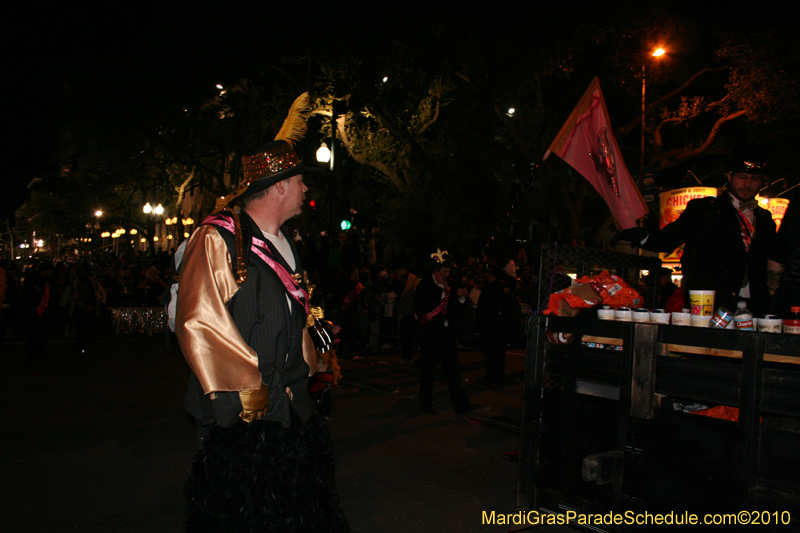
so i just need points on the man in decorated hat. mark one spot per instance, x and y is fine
(265, 459)
(434, 304)
(727, 240)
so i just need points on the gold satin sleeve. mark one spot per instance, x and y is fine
(207, 334)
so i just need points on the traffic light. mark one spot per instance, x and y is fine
(313, 205)
(345, 225)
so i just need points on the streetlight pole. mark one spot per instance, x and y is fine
(155, 212)
(656, 53)
(328, 155)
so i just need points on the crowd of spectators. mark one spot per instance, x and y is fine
(67, 297)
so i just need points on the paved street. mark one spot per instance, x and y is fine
(101, 442)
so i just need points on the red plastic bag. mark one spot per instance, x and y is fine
(723, 412)
(615, 291)
(569, 307)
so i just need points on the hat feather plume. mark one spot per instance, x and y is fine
(294, 126)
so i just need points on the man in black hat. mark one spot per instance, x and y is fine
(727, 240)
(265, 459)
(434, 303)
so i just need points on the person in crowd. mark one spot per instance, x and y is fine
(39, 306)
(727, 241)
(408, 325)
(784, 263)
(434, 303)
(494, 314)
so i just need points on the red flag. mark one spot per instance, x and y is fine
(587, 143)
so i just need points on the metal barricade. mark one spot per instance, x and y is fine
(561, 263)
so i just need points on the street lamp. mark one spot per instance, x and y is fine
(323, 153)
(155, 212)
(149, 209)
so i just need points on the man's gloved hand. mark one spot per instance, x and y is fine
(255, 403)
(631, 235)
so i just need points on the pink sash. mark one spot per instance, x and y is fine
(261, 249)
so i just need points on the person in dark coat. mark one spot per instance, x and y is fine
(39, 306)
(494, 314)
(727, 241)
(266, 459)
(784, 264)
(434, 301)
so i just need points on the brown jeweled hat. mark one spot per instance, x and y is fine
(270, 164)
(277, 160)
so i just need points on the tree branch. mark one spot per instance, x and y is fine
(637, 120)
(676, 156)
(182, 191)
(386, 171)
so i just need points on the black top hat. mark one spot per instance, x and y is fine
(747, 159)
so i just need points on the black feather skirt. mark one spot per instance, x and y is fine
(265, 477)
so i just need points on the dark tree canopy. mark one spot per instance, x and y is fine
(426, 146)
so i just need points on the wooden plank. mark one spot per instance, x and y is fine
(601, 340)
(734, 354)
(643, 378)
(703, 350)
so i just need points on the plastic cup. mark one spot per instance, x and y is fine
(606, 314)
(702, 302)
(700, 321)
(682, 318)
(624, 314)
(641, 315)
(659, 316)
(770, 324)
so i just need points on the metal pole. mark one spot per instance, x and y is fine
(641, 162)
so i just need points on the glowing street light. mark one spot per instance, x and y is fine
(323, 153)
(154, 212)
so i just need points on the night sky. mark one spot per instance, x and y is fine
(118, 59)
(111, 60)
